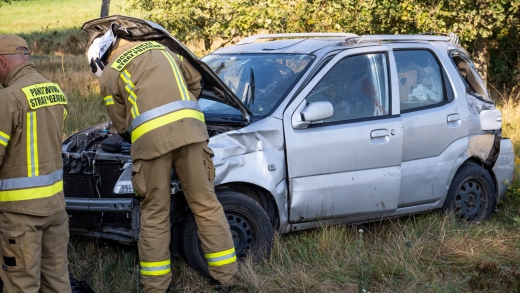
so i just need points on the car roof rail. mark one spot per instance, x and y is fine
(252, 39)
(451, 37)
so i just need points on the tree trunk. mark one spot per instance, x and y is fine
(481, 55)
(207, 44)
(104, 7)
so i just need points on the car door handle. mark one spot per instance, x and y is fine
(454, 120)
(379, 133)
(380, 136)
(453, 117)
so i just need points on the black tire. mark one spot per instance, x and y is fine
(250, 227)
(471, 196)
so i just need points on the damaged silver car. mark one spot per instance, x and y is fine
(308, 130)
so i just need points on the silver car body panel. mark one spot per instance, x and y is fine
(504, 167)
(364, 218)
(455, 155)
(254, 38)
(297, 46)
(419, 187)
(255, 155)
(340, 170)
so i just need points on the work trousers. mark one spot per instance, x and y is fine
(34, 253)
(151, 180)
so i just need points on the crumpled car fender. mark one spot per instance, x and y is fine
(488, 148)
(254, 154)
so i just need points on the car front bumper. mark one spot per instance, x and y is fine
(504, 167)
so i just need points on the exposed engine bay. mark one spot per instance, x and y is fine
(97, 184)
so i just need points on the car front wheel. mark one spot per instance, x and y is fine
(251, 231)
(471, 196)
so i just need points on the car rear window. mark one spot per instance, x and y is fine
(420, 79)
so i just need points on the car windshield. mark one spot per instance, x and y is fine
(260, 81)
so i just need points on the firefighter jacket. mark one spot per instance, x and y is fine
(151, 93)
(32, 113)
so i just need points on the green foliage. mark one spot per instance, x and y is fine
(467, 18)
(505, 55)
(491, 22)
(5, 1)
(201, 19)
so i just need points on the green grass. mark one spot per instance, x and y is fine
(423, 253)
(53, 26)
(26, 16)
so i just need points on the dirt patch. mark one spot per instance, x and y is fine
(489, 276)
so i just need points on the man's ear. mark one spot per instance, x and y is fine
(3, 69)
(3, 61)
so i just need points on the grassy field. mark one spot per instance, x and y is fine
(424, 253)
(28, 16)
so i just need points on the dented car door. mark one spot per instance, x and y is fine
(346, 165)
(429, 108)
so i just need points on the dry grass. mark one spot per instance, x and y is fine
(73, 75)
(426, 253)
(510, 107)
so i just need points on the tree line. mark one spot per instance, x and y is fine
(488, 28)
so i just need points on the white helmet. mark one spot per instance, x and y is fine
(97, 52)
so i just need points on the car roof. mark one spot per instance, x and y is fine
(303, 46)
(308, 45)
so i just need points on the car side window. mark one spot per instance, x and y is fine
(357, 87)
(469, 75)
(420, 79)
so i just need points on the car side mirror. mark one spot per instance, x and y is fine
(490, 119)
(315, 111)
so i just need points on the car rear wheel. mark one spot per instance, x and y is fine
(251, 230)
(471, 196)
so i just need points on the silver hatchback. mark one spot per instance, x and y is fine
(349, 129)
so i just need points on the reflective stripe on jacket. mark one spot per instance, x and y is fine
(32, 114)
(152, 94)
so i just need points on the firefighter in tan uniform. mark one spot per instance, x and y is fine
(151, 97)
(33, 223)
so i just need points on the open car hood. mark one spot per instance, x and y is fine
(143, 30)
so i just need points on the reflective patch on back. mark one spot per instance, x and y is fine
(4, 138)
(129, 55)
(44, 95)
(32, 145)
